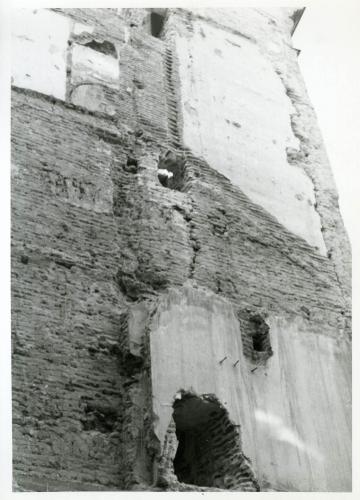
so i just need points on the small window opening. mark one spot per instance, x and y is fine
(157, 24)
(260, 335)
(209, 451)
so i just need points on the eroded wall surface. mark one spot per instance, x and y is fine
(98, 241)
(236, 115)
(293, 412)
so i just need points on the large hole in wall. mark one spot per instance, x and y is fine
(171, 170)
(209, 452)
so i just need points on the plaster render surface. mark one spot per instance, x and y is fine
(186, 346)
(236, 115)
(91, 66)
(39, 43)
(287, 409)
(302, 409)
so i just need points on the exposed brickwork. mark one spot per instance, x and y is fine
(209, 454)
(95, 234)
(204, 456)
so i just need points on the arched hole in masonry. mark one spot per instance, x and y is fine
(171, 170)
(209, 449)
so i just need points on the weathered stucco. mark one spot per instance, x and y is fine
(38, 54)
(282, 407)
(175, 227)
(236, 115)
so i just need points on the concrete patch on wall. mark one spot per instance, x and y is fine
(39, 44)
(191, 333)
(250, 121)
(293, 411)
(302, 410)
(94, 97)
(92, 66)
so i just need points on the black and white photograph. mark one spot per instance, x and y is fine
(182, 229)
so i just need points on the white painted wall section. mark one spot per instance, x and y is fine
(236, 115)
(39, 45)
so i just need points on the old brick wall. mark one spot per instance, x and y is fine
(95, 235)
(73, 206)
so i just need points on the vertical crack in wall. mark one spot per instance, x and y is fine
(172, 89)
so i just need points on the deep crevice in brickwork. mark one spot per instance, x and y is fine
(209, 449)
(171, 85)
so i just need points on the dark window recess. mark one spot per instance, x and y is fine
(209, 451)
(255, 335)
(157, 24)
(104, 47)
(258, 343)
(131, 165)
(171, 170)
(260, 334)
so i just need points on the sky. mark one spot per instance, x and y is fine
(329, 39)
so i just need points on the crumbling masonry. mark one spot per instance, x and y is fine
(180, 270)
